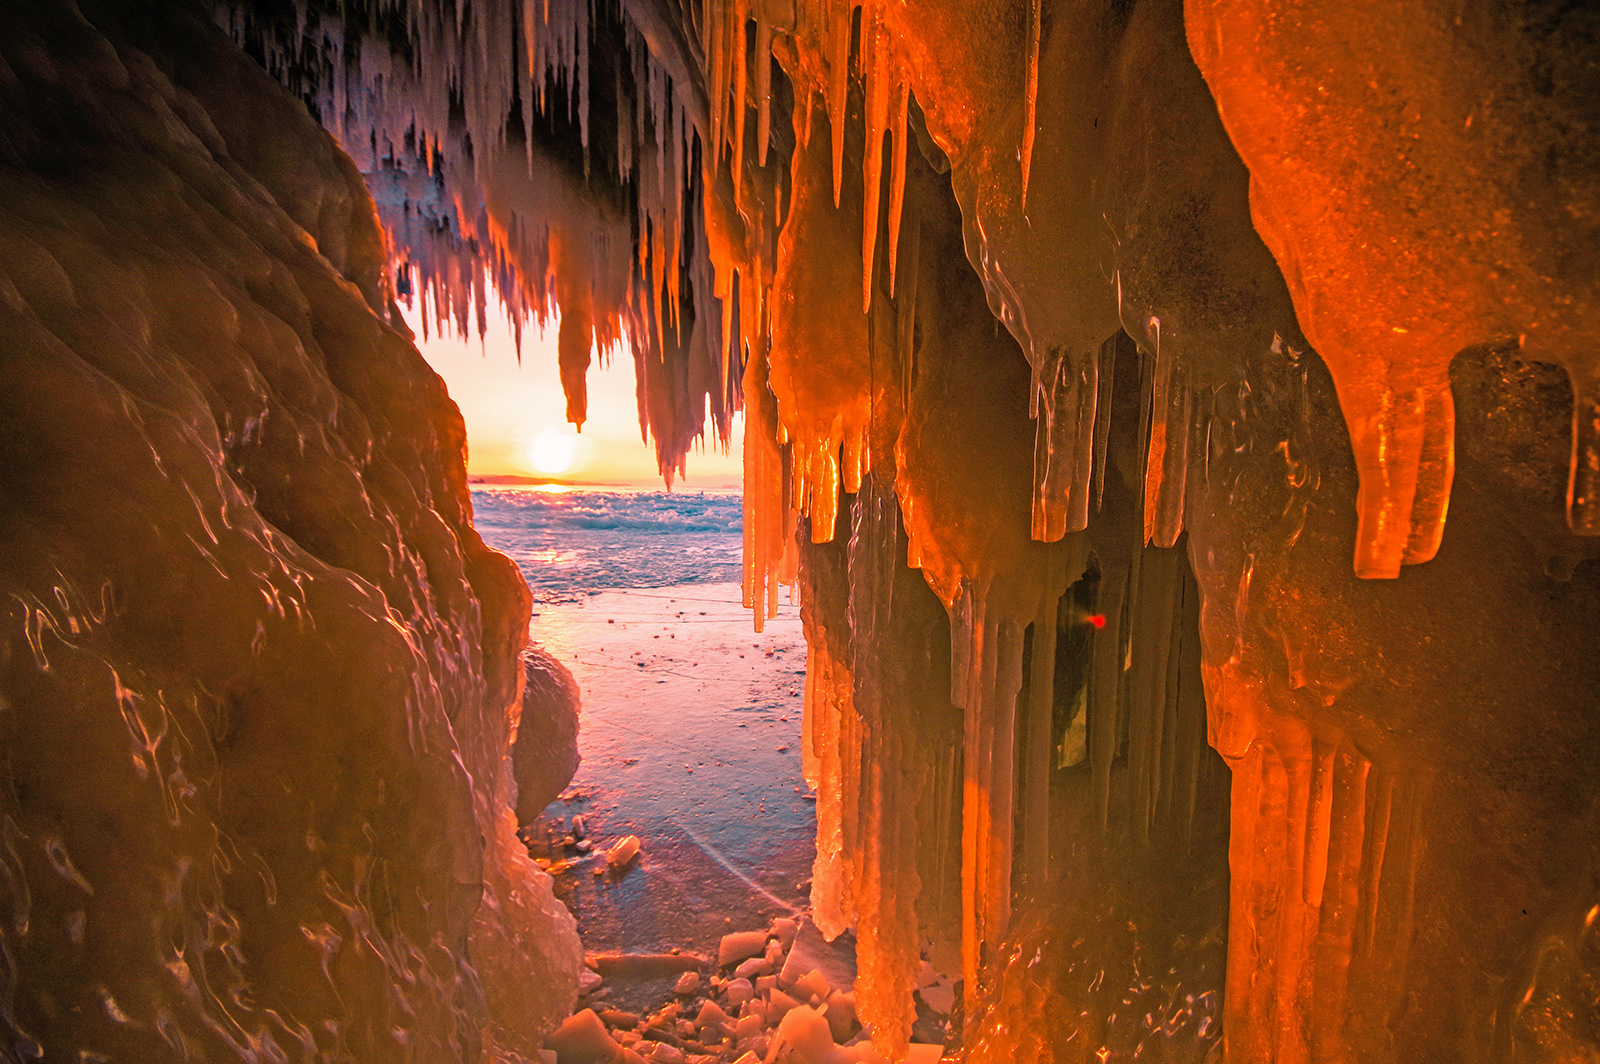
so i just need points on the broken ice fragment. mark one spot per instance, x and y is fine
(739, 991)
(807, 1033)
(779, 1006)
(623, 853)
(583, 1039)
(783, 929)
(812, 985)
(739, 945)
(757, 966)
(712, 1021)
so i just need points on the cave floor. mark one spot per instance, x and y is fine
(690, 738)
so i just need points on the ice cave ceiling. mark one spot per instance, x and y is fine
(1180, 420)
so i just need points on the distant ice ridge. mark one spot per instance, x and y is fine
(577, 540)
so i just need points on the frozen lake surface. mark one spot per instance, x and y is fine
(575, 541)
(690, 731)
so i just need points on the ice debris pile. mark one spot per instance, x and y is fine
(777, 995)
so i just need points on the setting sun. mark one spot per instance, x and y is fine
(553, 451)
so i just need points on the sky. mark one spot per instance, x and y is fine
(516, 414)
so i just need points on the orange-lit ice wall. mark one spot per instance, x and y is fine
(1426, 178)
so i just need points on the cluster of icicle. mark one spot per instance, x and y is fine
(696, 164)
(621, 249)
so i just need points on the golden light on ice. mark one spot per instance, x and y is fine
(553, 450)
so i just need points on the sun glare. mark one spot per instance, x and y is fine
(553, 451)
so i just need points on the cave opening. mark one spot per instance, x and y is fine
(1173, 422)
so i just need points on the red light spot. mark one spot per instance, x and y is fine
(1097, 619)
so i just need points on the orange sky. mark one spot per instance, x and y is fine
(516, 414)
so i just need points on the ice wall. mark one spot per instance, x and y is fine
(259, 674)
(1081, 347)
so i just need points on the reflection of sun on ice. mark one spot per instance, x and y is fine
(553, 450)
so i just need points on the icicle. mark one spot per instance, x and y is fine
(581, 60)
(1320, 822)
(1404, 446)
(530, 38)
(1340, 905)
(717, 58)
(763, 61)
(680, 174)
(659, 116)
(1167, 455)
(1037, 746)
(1001, 791)
(1107, 356)
(874, 68)
(840, 17)
(1167, 762)
(906, 309)
(972, 634)
(1191, 717)
(1030, 115)
(854, 462)
(1583, 479)
(1151, 646)
(1377, 837)
(1068, 394)
(901, 133)
(741, 15)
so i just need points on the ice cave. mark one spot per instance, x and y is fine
(1178, 420)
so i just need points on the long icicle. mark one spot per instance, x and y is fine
(717, 58)
(874, 70)
(839, 86)
(763, 62)
(741, 15)
(901, 134)
(1007, 681)
(1041, 703)
(1030, 118)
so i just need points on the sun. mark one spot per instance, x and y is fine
(553, 451)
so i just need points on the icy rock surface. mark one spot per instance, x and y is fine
(259, 674)
(544, 756)
(1081, 346)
